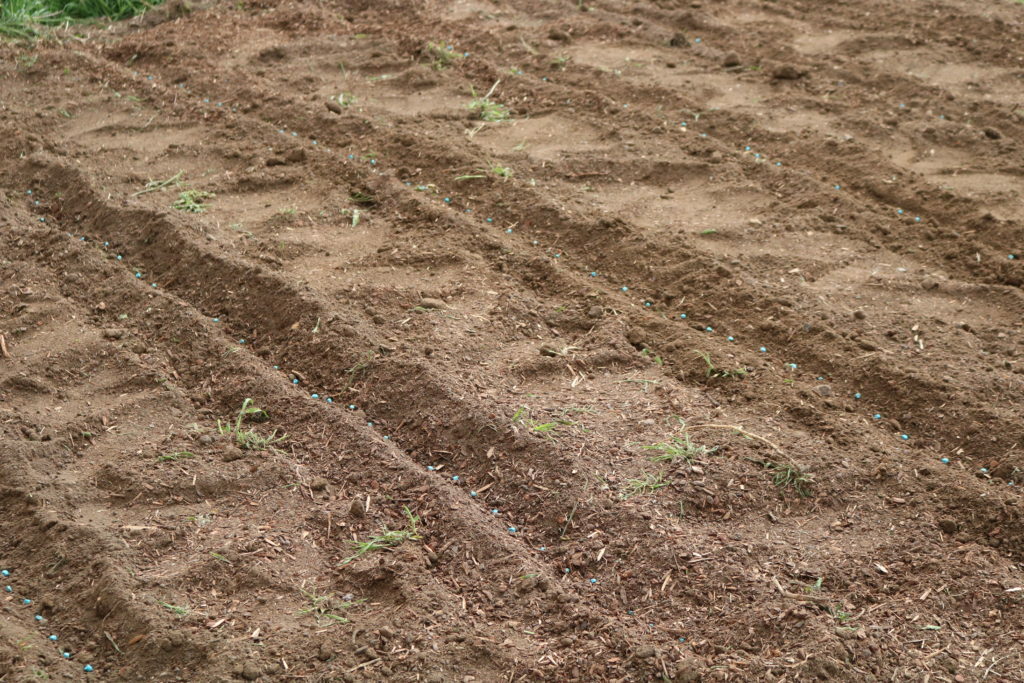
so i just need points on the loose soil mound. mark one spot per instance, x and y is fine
(690, 352)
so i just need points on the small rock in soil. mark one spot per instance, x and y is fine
(859, 315)
(731, 59)
(595, 312)
(427, 302)
(993, 133)
(114, 333)
(646, 651)
(357, 509)
(786, 72)
(295, 156)
(250, 671)
(325, 652)
(333, 106)
(318, 484)
(206, 439)
(823, 390)
(275, 161)
(679, 40)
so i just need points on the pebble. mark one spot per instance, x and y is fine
(595, 312)
(731, 59)
(429, 303)
(823, 390)
(786, 72)
(646, 652)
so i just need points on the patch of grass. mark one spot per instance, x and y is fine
(486, 108)
(549, 430)
(191, 201)
(388, 538)
(441, 55)
(180, 611)
(711, 371)
(345, 99)
(790, 477)
(679, 447)
(155, 185)
(176, 456)
(648, 483)
(250, 439)
(323, 607)
(362, 198)
(27, 18)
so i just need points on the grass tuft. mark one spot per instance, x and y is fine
(648, 483)
(191, 201)
(679, 447)
(790, 477)
(388, 538)
(27, 18)
(250, 439)
(486, 108)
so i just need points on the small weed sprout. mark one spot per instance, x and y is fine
(548, 430)
(441, 55)
(191, 201)
(559, 63)
(250, 439)
(180, 611)
(388, 538)
(160, 185)
(323, 607)
(170, 457)
(711, 371)
(679, 447)
(790, 476)
(487, 109)
(648, 483)
(345, 99)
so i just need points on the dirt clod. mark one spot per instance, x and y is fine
(432, 304)
(786, 72)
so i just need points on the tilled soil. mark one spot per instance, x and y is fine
(702, 365)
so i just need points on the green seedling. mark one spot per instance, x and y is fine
(441, 55)
(345, 99)
(559, 63)
(679, 447)
(711, 371)
(388, 538)
(160, 185)
(790, 476)
(191, 201)
(359, 368)
(170, 457)
(323, 607)
(362, 198)
(250, 439)
(648, 483)
(487, 109)
(839, 615)
(180, 611)
(548, 430)
(503, 172)
(658, 360)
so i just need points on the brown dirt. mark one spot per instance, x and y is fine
(846, 194)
